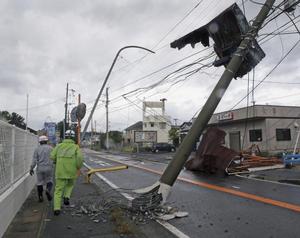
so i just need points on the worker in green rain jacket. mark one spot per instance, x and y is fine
(68, 159)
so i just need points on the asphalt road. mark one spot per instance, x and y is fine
(217, 207)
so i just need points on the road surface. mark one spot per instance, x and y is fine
(218, 207)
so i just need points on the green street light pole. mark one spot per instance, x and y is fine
(104, 83)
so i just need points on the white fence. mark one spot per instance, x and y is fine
(16, 151)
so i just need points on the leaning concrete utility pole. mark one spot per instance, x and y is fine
(171, 173)
(174, 167)
(104, 83)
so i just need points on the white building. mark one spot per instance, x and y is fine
(155, 120)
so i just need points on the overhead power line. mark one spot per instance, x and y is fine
(271, 71)
(39, 106)
(174, 27)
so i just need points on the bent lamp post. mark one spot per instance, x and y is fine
(104, 83)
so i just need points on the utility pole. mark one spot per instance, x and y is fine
(106, 105)
(174, 167)
(168, 178)
(92, 133)
(253, 99)
(78, 123)
(163, 105)
(66, 111)
(27, 97)
(175, 121)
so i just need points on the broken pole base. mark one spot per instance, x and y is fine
(151, 197)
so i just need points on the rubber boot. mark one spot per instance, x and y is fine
(56, 212)
(40, 193)
(66, 201)
(48, 191)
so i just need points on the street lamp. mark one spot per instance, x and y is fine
(105, 80)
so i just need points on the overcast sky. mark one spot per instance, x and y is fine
(46, 44)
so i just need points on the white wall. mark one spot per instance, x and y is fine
(16, 151)
(12, 200)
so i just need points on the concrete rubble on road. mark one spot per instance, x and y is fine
(101, 210)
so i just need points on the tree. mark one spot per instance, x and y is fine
(14, 119)
(174, 135)
(17, 120)
(116, 136)
(5, 115)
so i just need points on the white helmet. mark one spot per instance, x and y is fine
(70, 133)
(43, 138)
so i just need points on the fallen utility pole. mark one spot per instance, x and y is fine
(174, 167)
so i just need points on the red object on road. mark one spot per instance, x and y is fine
(211, 156)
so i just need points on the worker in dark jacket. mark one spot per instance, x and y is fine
(68, 159)
(44, 170)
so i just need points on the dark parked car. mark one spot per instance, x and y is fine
(163, 147)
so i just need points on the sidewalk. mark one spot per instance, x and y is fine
(91, 214)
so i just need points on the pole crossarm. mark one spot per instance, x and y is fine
(105, 81)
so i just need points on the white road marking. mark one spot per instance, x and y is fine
(267, 181)
(165, 224)
(102, 163)
(172, 229)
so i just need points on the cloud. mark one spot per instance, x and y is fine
(47, 44)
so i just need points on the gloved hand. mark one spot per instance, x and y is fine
(31, 172)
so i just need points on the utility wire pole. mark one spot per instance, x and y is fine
(174, 167)
(106, 106)
(78, 123)
(27, 98)
(66, 111)
(175, 121)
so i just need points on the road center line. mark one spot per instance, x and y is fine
(257, 198)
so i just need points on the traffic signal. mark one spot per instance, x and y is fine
(227, 31)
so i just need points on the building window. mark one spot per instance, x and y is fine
(255, 135)
(162, 125)
(152, 124)
(283, 134)
(145, 125)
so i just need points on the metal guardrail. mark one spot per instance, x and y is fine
(16, 151)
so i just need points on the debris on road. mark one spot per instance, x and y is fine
(247, 163)
(213, 157)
